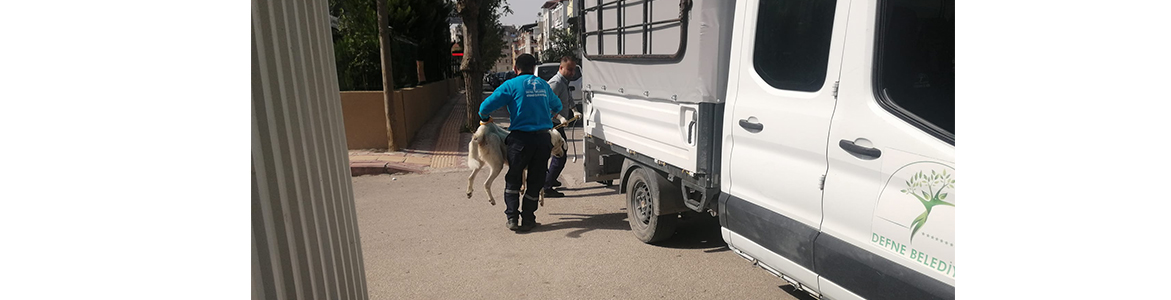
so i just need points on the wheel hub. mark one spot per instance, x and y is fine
(643, 202)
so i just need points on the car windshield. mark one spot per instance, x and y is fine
(546, 73)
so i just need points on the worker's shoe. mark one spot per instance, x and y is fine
(512, 224)
(528, 225)
(556, 183)
(550, 193)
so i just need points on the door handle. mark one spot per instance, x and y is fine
(864, 152)
(751, 125)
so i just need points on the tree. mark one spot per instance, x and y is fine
(482, 30)
(492, 32)
(356, 45)
(387, 70)
(356, 42)
(929, 190)
(564, 44)
(425, 22)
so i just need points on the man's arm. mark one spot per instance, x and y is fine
(498, 98)
(554, 102)
(561, 88)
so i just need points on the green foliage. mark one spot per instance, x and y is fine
(564, 44)
(425, 23)
(355, 45)
(491, 32)
(419, 32)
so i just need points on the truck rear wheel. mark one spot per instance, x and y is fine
(643, 203)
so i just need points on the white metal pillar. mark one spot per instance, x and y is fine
(305, 242)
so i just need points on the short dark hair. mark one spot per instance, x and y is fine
(526, 63)
(565, 59)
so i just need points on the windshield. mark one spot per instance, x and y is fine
(547, 73)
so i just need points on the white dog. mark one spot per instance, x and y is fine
(487, 148)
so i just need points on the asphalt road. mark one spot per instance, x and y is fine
(423, 239)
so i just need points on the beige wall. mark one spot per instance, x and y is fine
(364, 113)
(366, 118)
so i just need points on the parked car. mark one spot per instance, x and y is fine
(494, 80)
(491, 81)
(548, 70)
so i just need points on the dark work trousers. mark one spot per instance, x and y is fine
(556, 164)
(527, 150)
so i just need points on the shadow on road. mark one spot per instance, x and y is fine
(697, 231)
(603, 191)
(582, 223)
(594, 187)
(595, 194)
(795, 293)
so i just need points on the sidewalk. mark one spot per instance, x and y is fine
(437, 147)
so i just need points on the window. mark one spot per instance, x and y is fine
(792, 43)
(916, 63)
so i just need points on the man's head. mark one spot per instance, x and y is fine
(525, 64)
(568, 67)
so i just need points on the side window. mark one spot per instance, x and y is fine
(916, 63)
(792, 43)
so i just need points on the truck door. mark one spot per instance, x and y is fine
(890, 194)
(783, 74)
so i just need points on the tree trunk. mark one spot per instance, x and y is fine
(387, 73)
(469, 11)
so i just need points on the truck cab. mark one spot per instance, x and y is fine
(820, 132)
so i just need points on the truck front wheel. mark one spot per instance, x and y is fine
(642, 207)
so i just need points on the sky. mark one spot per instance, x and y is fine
(524, 12)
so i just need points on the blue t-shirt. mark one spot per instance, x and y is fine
(531, 103)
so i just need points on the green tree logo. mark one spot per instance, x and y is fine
(929, 189)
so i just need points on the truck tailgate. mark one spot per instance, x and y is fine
(657, 128)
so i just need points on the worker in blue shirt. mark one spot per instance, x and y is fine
(531, 108)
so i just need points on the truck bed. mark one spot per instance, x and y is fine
(650, 68)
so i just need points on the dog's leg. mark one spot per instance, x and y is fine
(474, 162)
(473, 177)
(495, 170)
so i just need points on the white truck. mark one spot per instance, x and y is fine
(820, 132)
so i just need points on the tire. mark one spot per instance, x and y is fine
(642, 201)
